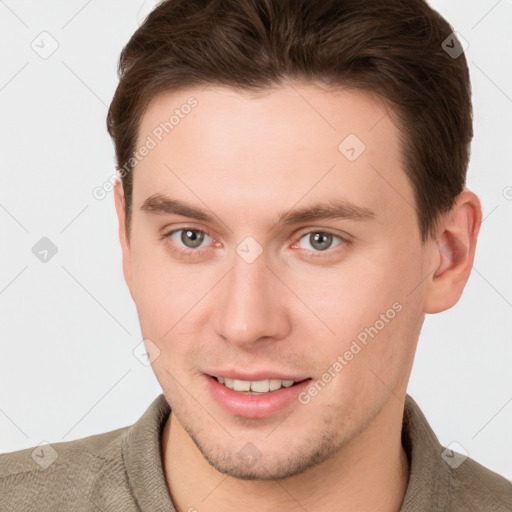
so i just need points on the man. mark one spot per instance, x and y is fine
(291, 205)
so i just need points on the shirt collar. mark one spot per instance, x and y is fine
(143, 458)
(429, 477)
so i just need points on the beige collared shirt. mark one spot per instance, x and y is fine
(122, 471)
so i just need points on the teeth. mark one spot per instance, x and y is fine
(255, 386)
(241, 385)
(274, 384)
(260, 386)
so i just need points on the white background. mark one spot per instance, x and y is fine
(69, 326)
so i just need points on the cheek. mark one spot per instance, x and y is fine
(174, 303)
(167, 296)
(163, 291)
(353, 294)
(373, 317)
(391, 332)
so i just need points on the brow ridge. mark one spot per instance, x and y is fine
(159, 204)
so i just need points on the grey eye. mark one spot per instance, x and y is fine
(189, 238)
(318, 241)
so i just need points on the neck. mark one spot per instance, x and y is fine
(369, 473)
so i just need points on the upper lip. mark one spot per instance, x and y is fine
(256, 376)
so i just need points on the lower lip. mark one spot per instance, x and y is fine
(242, 404)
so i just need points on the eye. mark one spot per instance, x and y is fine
(319, 241)
(189, 238)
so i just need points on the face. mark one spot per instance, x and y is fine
(274, 240)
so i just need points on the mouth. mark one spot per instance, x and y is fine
(257, 387)
(255, 397)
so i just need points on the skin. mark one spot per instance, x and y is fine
(247, 158)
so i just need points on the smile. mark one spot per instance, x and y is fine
(256, 398)
(255, 387)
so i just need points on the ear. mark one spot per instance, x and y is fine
(453, 250)
(123, 236)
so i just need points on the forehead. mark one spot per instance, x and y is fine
(272, 149)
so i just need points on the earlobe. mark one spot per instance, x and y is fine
(454, 251)
(119, 200)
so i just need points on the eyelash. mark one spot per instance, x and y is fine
(182, 251)
(198, 252)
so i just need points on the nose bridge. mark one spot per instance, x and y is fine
(249, 308)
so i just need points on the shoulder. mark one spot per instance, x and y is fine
(44, 477)
(443, 479)
(475, 487)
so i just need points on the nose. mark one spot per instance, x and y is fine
(251, 306)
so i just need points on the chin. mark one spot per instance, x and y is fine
(249, 463)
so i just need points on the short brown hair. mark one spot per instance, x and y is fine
(393, 48)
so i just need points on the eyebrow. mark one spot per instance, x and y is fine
(159, 204)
